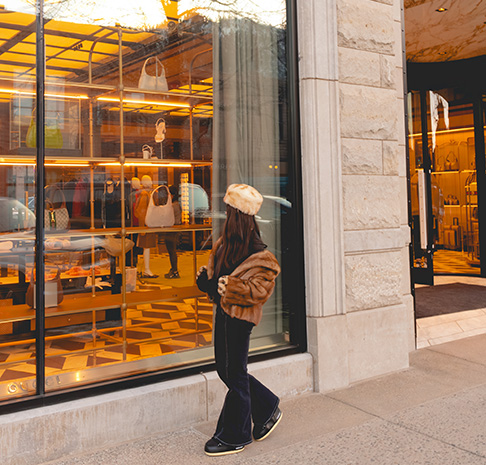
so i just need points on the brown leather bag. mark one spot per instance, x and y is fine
(52, 287)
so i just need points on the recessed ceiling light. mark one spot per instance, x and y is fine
(441, 9)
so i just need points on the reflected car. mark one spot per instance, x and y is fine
(273, 218)
(15, 216)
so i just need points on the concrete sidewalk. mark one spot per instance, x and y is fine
(432, 413)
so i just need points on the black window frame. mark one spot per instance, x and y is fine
(297, 316)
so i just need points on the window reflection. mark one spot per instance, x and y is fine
(148, 118)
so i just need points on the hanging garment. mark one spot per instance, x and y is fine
(437, 100)
(80, 199)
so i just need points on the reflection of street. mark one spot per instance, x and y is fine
(15, 216)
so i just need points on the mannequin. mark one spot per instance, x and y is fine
(132, 258)
(145, 240)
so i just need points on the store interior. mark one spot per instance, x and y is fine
(125, 112)
(131, 203)
(446, 114)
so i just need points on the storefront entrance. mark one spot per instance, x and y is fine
(446, 150)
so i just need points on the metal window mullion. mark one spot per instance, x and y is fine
(480, 176)
(40, 177)
(297, 320)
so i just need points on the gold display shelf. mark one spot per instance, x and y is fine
(83, 304)
(81, 161)
(172, 229)
(30, 236)
(116, 231)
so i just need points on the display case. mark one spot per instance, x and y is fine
(103, 131)
(128, 105)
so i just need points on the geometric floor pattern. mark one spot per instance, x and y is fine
(151, 330)
(453, 262)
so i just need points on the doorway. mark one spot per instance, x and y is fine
(446, 152)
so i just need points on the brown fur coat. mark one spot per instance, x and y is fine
(249, 286)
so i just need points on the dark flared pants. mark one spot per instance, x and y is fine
(247, 399)
(171, 240)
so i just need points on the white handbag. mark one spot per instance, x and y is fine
(113, 245)
(160, 216)
(157, 82)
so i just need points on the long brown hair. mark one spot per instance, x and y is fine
(240, 235)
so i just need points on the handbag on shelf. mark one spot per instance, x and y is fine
(56, 215)
(157, 82)
(160, 216)
(113, 245)
(52, 135)
(53, 293)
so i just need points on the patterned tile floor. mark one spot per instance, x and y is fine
(453, 262)
(152, 330)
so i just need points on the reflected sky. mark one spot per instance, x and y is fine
(145, 14)
(267, 12)
(149, 14)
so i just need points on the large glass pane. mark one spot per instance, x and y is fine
(129, 107)
(454, 182)
(418, 184)
(17, 190)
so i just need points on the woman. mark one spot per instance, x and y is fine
(240, 278)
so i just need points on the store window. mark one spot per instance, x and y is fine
(151, 110)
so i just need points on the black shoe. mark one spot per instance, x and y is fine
(172, 275)
(260, 432)
(215, 448)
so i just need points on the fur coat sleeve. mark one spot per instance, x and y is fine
(249, 286)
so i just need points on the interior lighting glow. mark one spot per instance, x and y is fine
(441, 9)
(185, 198)
(145, 102)
(445, 131)
(26, 92)
(154, 165)
(33, 163)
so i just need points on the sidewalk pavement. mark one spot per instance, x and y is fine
(432, 413)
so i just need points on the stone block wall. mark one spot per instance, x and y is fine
(352, 115)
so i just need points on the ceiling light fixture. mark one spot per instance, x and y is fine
(441, 9)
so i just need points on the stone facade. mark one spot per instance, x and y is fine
(360, 311)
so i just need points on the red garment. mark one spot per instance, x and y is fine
(80, 199)
(134, 217)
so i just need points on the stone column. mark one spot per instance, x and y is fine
(360, 312)
(322, 191)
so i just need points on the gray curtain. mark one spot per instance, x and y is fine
(246, 124)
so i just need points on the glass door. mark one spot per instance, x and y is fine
(452, 148)
(480, 118)
(420, 191)
(445, 138)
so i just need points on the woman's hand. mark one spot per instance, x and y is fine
(222, 283)
(201, 270)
